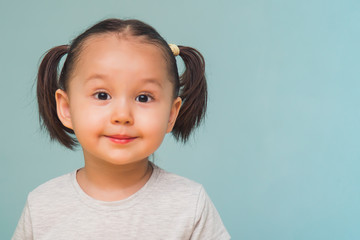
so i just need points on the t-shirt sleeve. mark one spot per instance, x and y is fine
(208, 224)
(23, 230)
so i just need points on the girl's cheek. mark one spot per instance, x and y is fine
(157, 122)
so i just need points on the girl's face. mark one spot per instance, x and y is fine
(119, 101)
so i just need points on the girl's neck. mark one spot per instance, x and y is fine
(109, 182)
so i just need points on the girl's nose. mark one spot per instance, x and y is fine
(122, 114)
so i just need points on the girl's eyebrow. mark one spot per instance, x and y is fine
(96, 76)
(104, 77)
(152, 81)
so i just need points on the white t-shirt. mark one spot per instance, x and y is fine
(166, 207)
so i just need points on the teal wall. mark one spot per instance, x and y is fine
(280, 151)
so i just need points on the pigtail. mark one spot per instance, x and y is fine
(47, 84)
(193, 92)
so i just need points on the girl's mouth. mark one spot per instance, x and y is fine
(121, 139)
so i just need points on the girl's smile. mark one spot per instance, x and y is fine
(121, 139)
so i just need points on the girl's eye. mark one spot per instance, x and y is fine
(143, 98)
(102, 96)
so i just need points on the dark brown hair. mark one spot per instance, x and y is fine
(190, 86)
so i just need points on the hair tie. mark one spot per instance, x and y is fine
(175, 49)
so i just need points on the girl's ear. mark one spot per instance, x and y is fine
(63, 108)
(175, 108)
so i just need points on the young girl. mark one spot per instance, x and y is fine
(119, 93)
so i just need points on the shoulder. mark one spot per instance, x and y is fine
(173, 183)
(189, 198)
(173, 178)
(177, 192)
(55, 188)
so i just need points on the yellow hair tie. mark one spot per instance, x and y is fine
(175, 49)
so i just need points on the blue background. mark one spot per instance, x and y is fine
(279, 152)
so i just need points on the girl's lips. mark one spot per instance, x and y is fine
(121, 139)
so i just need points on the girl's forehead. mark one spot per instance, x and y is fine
(118, 41)
(121, 58)
(111, 51)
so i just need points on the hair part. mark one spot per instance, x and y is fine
(190, 86)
